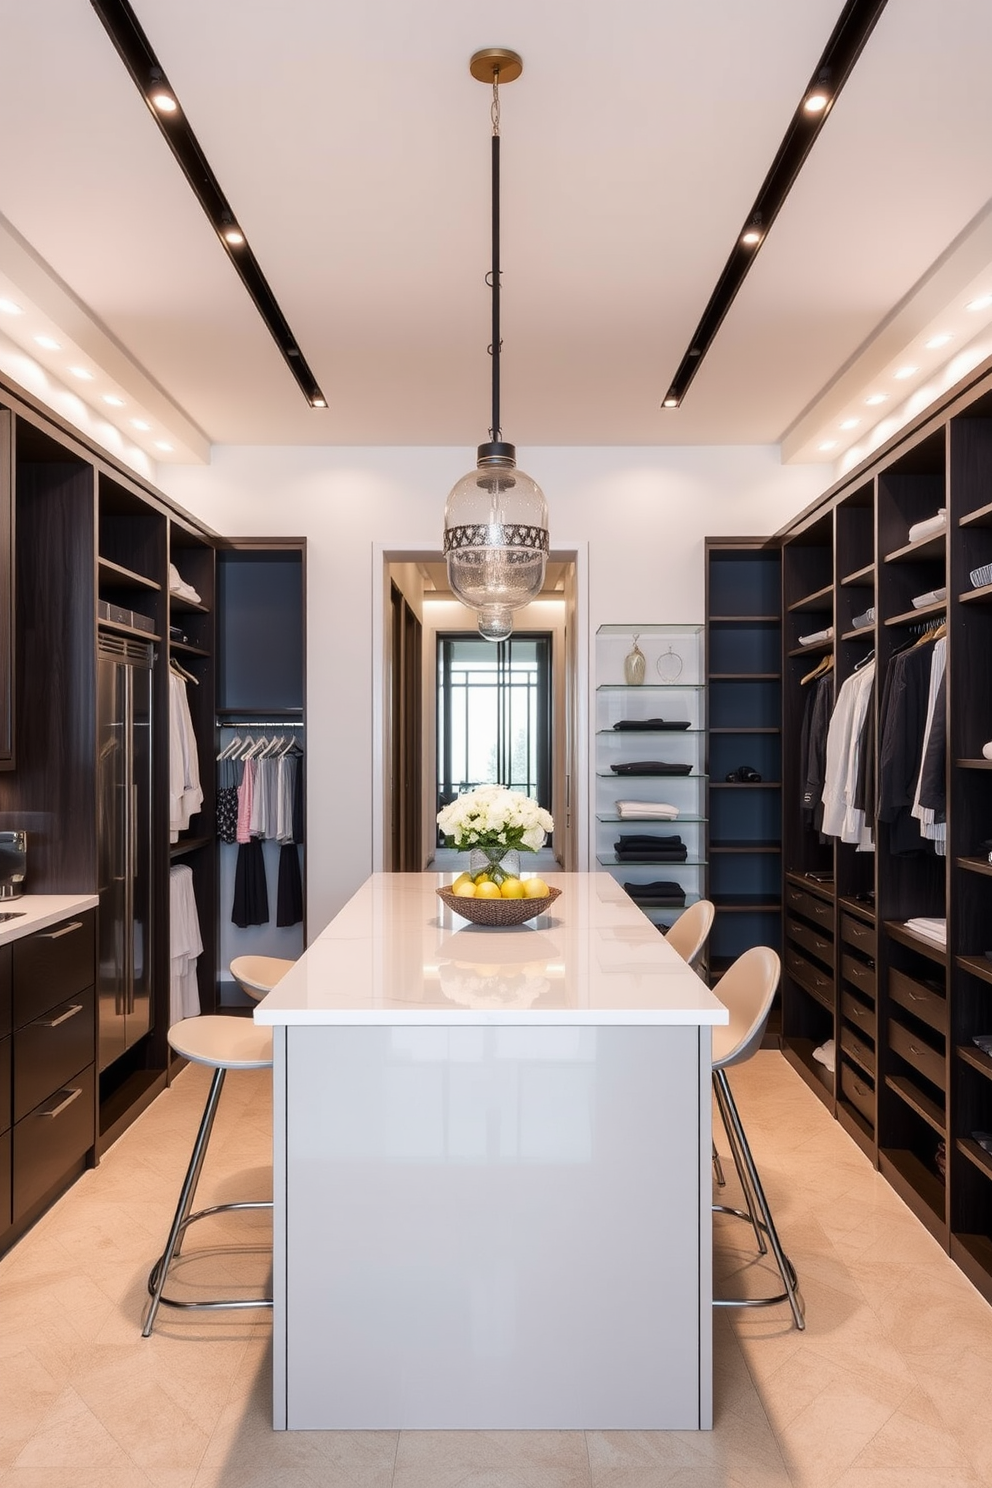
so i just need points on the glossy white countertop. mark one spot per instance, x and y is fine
(37, 911)
(397, 955)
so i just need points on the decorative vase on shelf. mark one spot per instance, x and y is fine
(633, 666)
(498, 862)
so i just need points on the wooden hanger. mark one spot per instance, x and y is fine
(820, 670)
(182, 672)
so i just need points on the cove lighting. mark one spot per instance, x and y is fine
(49, 343)
(82, 374)
(7, 307)
(851, 423)
(905, 372)
(936, 342)
(113, 400)
(875, 399)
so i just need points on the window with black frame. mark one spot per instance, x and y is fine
(494, 715)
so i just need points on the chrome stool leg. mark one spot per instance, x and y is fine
(750, 1210)
(183, 1218)
(721, 1181)
(735, 1130)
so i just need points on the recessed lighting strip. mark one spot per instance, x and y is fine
(134, 49)
(853, 28)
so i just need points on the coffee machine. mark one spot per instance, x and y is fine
(13, 864)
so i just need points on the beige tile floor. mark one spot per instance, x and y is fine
(889, 1387)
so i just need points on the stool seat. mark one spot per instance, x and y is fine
(257, 975)
(222, 1042)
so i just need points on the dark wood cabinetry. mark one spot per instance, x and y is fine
(902, 1009)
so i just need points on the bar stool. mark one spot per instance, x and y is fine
(691, 930)
(746, 989)
(257, 975)
(221, 1043)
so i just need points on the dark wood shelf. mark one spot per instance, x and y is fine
(825, 891)
(972, 1054)
(975, 865)
(977, 965)
(982, 595)
(745, 676)
(745, 847)
(862, 578)
(980, 517)
(813, 648)
(745, 903)
(923, 548)
(117, 576)
(187, 649)
(932, 949)
(855, 907)
(975, 1154)
(974, 764)
(745, 619)
(917, 1186)
(190, 844)
(820, 599)
(910, 617)
(924, 1107)
(745, 785)
(128, 630)
(181, 606)
(799, 1053)
(859, 634)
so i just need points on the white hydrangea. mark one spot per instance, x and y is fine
(493, 816)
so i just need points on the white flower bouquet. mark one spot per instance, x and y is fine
(493, 817)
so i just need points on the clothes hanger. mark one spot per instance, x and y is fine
(865, 660)
(182, 672)
(822, 667)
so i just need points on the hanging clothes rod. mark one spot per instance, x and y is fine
(259, 723)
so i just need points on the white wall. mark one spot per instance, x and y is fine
(643, 512)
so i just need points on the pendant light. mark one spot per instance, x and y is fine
(496, 517)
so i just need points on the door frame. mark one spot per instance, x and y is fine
(577, 691)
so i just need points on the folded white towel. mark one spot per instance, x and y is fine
(930, 526)
(818, 635)
(932, 929)
(659, 809)
(825, 1055)
(177, 585)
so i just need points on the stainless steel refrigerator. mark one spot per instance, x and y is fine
(124, 746)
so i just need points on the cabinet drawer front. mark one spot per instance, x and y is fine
(52, 965)
(51, 1138)
(922, 1002)
(918, 1053)
(857, 1049)
(6, 1217)
(859, 975)
(815, 981)
(6, 1015)
(857, 933)
(814, 941)
(859, 1090)
(5, 1079)
(817, 911)
(50, 1049)
(859, 1016)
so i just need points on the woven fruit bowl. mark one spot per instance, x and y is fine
(498, 912)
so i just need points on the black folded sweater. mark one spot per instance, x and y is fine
(650, 767)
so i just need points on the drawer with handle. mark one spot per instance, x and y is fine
(859, 1090)
(51, 1139)
(857, 1014)
(818, 983)
(817, 911)
(857, 1048)
(814, 941)
(917, 1052)
(51, 1048)
(923, 1002)
(857, 933)
(51, 965)
(859, 974)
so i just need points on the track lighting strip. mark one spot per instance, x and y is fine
(135, 51)
(854, 26)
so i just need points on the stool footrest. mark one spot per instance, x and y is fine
(211, 1305)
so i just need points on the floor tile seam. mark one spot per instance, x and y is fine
(139, 1466)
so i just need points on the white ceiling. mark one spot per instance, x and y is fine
(354, 147)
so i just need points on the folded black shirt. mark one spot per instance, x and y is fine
(649, 725)
(660, 892)
(650, 767)
(628, 840)
(653, 855)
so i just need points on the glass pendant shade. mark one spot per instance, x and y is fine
(496, 539)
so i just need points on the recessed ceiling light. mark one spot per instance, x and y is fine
(140, 424)
(670, 403)
(982, 303)
(905, 372)
(161, 444)
(828, 444)
(851, 423)
(876, 398)
(318, 402)
(49, 343)
(818, 96)
(9, 308)
(82, 374)
(936, 342)
(751, 237)
(113, 400)
(233, 235)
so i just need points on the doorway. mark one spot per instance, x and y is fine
(494, 710)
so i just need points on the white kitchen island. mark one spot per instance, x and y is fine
(491, 1169)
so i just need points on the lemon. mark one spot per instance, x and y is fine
(487, 890)
(464, 889)
(482, 877)
(463, 878)
(535, 888)
(512, 888)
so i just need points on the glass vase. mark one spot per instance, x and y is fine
(498, 862)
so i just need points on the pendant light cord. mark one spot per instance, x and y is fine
(495, 431)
